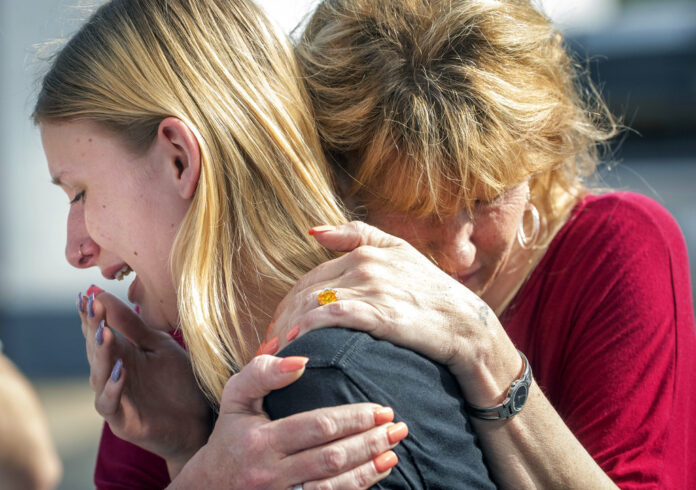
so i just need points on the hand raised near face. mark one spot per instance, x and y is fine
(152, 400)
(346, 447)
(387, 288)
(143, 383)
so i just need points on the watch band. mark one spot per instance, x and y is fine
(515, 400)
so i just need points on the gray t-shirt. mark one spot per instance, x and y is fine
(346, 366)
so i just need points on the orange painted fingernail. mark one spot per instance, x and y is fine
(383, 415)
(293, 333)
(397, 432)
(259, 351)
(321, 229)
(293, 363)
(271, 347)
(385, 461)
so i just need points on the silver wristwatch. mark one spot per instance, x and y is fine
(516, 397)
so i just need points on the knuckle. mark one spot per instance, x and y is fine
(390, 320)
(364, 476)
(365, 273)
(337, 308)
(363, 418)
(364, 253)
(93, 381)
(334, 459)
(253, 478)
(307, 280)
(326, 426)
(254, 441)
(99, 406)
(356, 225)
(255, 364)
(256, 368)
(300, 285)
(378, 444)
(325, 485)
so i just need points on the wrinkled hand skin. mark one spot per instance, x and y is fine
(155, 403)
(389, 289)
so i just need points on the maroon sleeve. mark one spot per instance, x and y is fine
(124, 466)
(628, 369)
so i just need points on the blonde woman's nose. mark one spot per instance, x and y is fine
(80, 249)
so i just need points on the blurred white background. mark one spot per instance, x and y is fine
(38, 288)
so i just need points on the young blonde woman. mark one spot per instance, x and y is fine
(183, 140)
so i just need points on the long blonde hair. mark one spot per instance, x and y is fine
(429, 105)
(222, 68)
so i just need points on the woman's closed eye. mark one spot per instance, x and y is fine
(80, 196)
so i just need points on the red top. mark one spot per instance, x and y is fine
(606, 320)
(124, 466)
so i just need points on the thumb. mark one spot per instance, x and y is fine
(244, 392)
(350, 236)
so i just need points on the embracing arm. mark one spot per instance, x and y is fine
(386, 288)
(535, 448)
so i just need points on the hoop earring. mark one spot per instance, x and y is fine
(527, 241)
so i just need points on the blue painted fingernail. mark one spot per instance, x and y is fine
(79, 302)
(100, 333)
(90, 305)
(116, 371)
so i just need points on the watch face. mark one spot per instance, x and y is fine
(519, 397)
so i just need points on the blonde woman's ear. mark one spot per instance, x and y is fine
(183, 154)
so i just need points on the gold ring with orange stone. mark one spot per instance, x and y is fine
(327, 296)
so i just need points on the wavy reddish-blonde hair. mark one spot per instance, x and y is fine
(430, 105)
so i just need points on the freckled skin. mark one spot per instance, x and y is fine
(141, 201)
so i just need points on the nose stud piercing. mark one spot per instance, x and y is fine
(79, 251)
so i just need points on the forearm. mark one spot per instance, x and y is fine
(535, 449)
